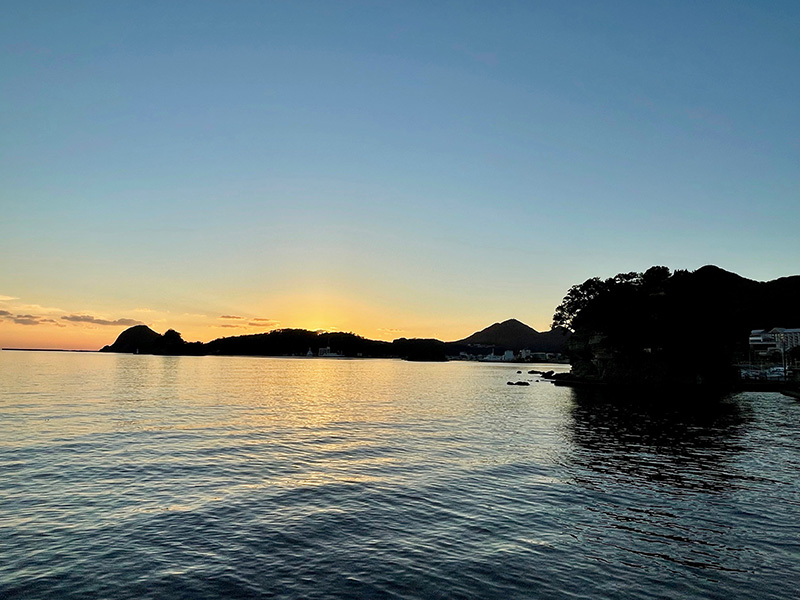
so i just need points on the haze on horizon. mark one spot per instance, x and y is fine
(391, 169)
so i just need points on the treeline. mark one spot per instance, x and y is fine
(660, 327)
(280, 342)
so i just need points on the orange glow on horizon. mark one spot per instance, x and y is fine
(33, 326)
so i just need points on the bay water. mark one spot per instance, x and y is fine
(126, 476)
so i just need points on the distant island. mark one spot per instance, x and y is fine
(510, 340)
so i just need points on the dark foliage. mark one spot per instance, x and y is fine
(419, 349)
(281, 342)
(656, 327)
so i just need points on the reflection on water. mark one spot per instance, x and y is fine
(686, 442)
(688, 483)
(206, 477)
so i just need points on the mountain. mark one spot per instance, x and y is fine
(514, 335)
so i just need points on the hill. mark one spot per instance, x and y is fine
(280, 342)
(515, 335)
(509, 335)
(136, 340)
(659, 327)
(140, 339)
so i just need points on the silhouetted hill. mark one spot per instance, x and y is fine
(137, 339)
(428, 350)
(660, 327)
(514, 335)
(509, 335)
(510, 332)
(280, 342)
(298, 342)
(140, 339)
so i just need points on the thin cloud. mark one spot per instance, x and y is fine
(51, 321)
(263, 323)
(27, 320)
(38, 308)
(230, 317)
(390, 329)
(230, 325)
(8, 298)
(98, 321)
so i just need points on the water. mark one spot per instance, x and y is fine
(220, 477)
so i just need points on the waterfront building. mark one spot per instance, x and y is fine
(778, 339)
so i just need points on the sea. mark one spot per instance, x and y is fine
(127, 476)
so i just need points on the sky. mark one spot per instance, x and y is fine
(394, 169)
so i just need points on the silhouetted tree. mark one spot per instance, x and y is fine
(661, 327)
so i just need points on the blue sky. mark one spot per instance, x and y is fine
(391, 168)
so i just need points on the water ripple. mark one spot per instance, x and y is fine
(224, 477)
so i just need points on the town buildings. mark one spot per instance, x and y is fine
(764, 342)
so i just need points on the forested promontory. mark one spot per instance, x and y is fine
(662, 327)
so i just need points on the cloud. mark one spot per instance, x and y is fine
(35, 314)
(230, 317)
(7, 298)
(230, 325)
(390, 329)
(27, 320)
(51, 321)
(263, 323)
(98, 321)
(39, 308)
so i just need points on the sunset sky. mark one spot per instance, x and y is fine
(393, 169)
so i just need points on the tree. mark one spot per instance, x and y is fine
(578, 297)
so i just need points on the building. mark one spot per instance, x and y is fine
(764, 342)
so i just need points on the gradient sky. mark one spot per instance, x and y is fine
(388, 168)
